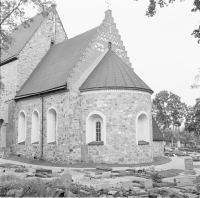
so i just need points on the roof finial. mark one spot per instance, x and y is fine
(108, 4)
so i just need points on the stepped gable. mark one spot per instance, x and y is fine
(157, 135)
(113, 73)
(53, 70)
(21, 36)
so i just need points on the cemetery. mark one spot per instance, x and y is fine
(103, 181)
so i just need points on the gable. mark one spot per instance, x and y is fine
(53, 70)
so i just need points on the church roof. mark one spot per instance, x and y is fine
(113, 73)
(21, 36)
(53, 70)
(157, 135)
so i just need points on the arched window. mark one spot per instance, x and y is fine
(142, 131)
(51, 126)
(98, 131)
(35, 128)
(96, 127)
(21, 127)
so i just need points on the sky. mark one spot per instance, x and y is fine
(161, 49)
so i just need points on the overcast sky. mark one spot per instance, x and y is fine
(161, 49)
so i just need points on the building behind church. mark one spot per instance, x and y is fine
(78, 99)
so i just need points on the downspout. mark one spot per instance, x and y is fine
(42, 133)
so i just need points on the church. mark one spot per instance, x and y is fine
(77, 99)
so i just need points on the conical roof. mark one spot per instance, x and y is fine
(113, 73)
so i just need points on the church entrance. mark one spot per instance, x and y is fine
(95, 128)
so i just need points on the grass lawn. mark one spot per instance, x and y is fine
(157, 161)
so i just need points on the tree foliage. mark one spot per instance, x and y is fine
(188, 139)
(192, 123)
(151, 11)
(168, 109)
(14, 12)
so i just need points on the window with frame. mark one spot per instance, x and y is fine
(98, 131)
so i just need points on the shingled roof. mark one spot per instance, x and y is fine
(21, 36)
(157, 135)
(53, 70)
(113, 73)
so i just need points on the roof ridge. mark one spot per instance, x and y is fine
(114, 73)
(101, 67)
(119, 68)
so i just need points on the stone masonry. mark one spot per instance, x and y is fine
(16, 73)
(120, 109)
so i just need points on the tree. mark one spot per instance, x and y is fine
(169, 135)
(168, 110)
(192, 123)
(163, 3)
(151, 11)
(13, 12)
(187, 138)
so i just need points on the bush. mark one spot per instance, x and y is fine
(156, 177)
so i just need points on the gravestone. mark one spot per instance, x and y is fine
(188, 164)
(104, 168)
(66, 177)
(184, 181)
(106, 174)
(189, 168)
(122, 173)
(197, 179)
(42, 170)
(126, 184)
(148, 184)
(84, 153)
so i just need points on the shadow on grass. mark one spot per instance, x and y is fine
(156, 161)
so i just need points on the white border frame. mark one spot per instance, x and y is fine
(25, 127)
(32, 123)
(136, 126)
(56, 123)
(104, 125)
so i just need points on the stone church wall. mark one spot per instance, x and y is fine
(9, 80)
(120, 109)
(16, 73)
(69, 136)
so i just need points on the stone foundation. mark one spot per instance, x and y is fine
(108, 154)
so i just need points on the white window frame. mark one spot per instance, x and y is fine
(35, 110)
(20, 141)
(56, 138)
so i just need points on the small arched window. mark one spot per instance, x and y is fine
(21, 127)
(143, 132)
(96, 128)
(98, 131)
(35, 128)
(51, 126)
